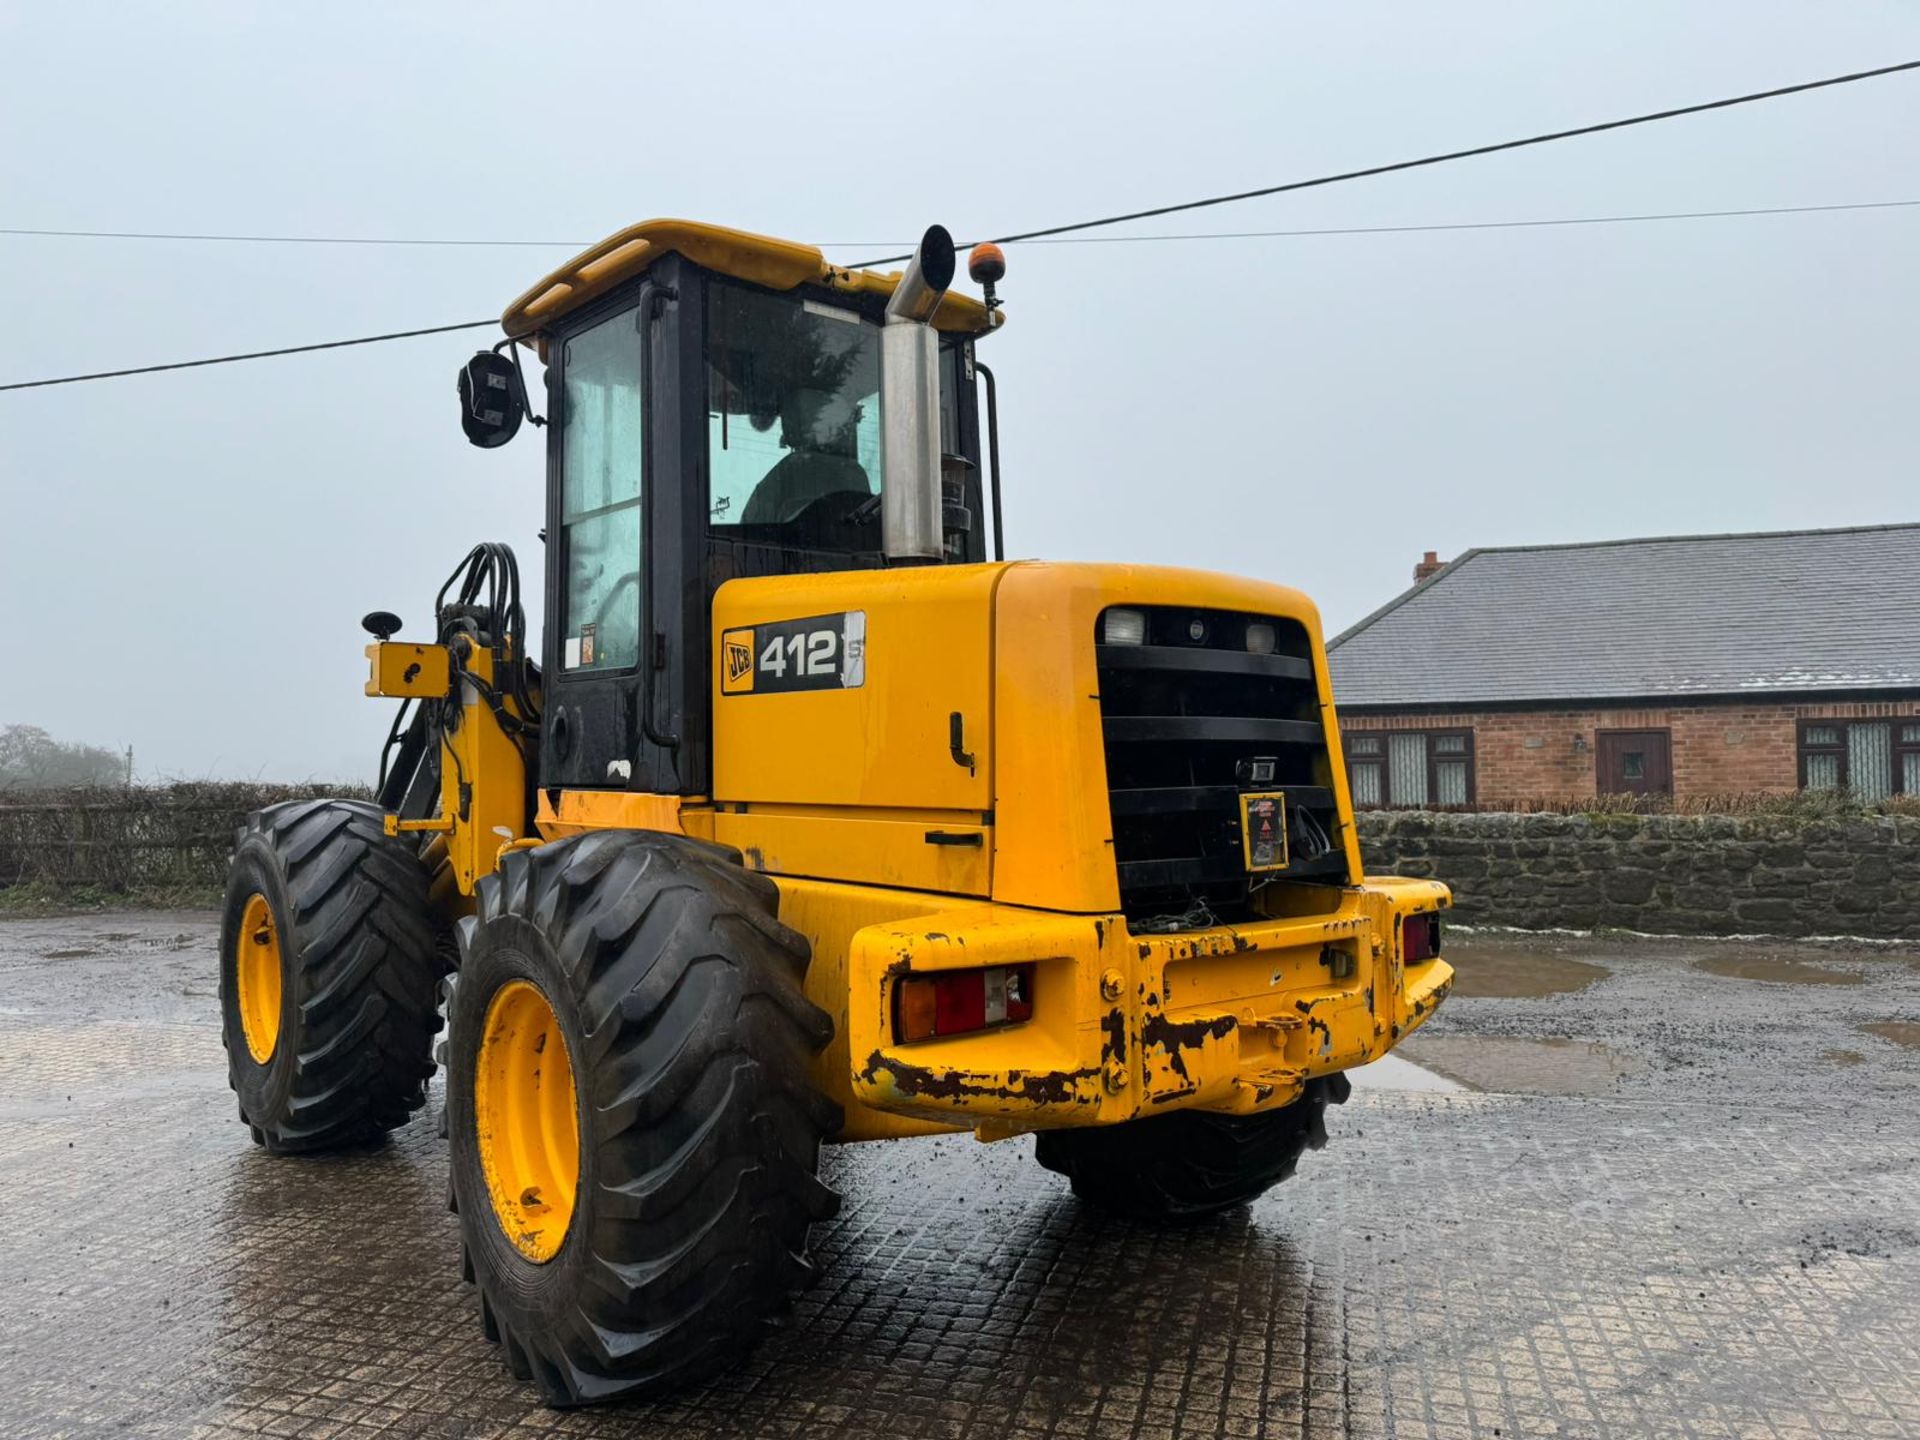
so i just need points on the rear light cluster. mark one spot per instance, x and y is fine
(1124, 626)
(960, 1002)
(1419, 937)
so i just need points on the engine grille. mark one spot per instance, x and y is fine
(1184, 716)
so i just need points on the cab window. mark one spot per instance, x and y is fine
(793, 420)
(600, 513)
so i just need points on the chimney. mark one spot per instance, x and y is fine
(1430, 564)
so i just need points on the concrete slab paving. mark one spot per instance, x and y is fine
(1721, 1239)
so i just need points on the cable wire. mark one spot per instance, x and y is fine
(1441, 159)
(300, 239)
(1051, 240)
(1078, 225)
(250, 355)
(1475, 224)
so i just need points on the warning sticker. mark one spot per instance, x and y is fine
(1263, 827)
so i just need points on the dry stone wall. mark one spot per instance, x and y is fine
(1667, 874)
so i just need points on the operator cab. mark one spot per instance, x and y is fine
(719, 406)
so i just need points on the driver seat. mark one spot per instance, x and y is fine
(801, 478)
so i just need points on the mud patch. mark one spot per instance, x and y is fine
(1524, 1067)
(80, 954)
(1776, 970)
(1864, 1239)
(1518, 974)
(1842, 1058)
(1904, 1033)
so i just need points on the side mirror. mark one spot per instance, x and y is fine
(492, 404)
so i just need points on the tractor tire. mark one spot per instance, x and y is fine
(329, 976)
(633, 1214)
(1191, 1163)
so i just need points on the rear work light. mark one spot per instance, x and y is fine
(1419, 937)
(960, 1002)
(1124, 627)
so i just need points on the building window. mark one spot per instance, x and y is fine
(1410, 769)
(1872, 758)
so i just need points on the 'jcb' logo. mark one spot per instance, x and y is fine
(737, 661)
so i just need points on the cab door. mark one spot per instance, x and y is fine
(602, 589)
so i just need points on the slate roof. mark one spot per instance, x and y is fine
(1790, 611)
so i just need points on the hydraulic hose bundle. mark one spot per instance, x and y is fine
(478, 608)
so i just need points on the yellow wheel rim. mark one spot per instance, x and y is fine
(256, 968)
(529, 1131)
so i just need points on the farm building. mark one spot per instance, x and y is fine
(1683, 666)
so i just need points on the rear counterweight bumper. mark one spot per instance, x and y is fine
(1233, 1019)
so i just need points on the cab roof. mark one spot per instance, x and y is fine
(758, 259)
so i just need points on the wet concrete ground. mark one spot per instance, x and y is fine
(1682, 1198)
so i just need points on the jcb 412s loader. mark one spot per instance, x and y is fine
(807, 822)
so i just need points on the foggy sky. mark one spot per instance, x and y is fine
(184, 558)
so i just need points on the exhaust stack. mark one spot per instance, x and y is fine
(910, 518)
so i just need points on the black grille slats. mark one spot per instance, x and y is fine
(1184, 715)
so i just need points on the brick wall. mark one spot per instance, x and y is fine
(1667, 874)
(1718, 748)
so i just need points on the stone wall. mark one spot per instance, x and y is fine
(1667, 874)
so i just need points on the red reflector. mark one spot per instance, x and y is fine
(961, 1002)
(1419, 937)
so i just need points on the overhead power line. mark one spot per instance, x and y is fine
(251, 355)
(290, 239)
(1474, 224)
(1441, 159)
(1057, 239)
(1069, 240)
(1075, 226)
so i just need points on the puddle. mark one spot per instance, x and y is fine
(1517, 975)
(1395, 1072)
(1904, 1033)
(1530, 1067)
(1775, 970)
(1842, 1057)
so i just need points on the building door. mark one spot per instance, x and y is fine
(1633, 762)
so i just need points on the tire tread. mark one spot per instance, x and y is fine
(366, 968)
(697, 1043)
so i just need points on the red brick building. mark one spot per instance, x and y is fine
(1688, 665)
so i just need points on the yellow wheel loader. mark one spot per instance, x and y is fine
(808, 818)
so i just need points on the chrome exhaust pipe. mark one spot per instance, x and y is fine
(910, 521)
(929, 273)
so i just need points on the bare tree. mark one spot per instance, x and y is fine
(31, 759)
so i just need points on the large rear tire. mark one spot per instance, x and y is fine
(633, 1129)
(1190, 1163)
(329, 976)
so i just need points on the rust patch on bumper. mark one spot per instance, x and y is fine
(1175, 1035)
(918, 1082)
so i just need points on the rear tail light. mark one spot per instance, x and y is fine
(960, 1002)
(1419, 937)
